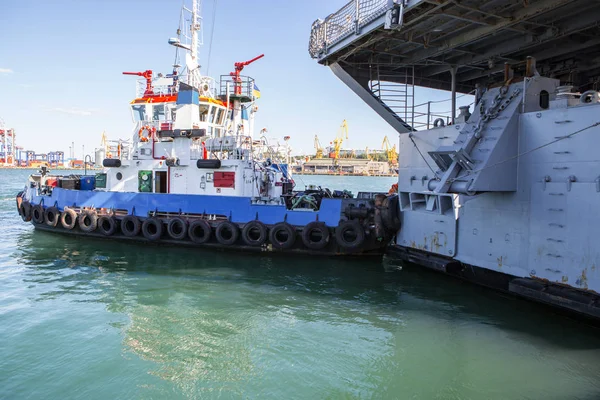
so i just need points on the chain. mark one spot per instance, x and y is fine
(528, 151)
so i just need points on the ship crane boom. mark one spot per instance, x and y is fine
(239, 66)
(147, 74)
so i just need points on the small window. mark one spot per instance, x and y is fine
(158, 112)
(139, 112)
(119, 176)
(203, 112)
(213, 111)
(544, 99)
(219, 117)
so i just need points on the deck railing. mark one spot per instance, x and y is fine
(347, 20)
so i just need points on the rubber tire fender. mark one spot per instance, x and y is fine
(251, 227)
(147, 228)
(346, 226)
(390, 213)
(19, 201)
(312, 227)
(282, 227)
(135, 227)
(206, 231)
(92, 217)
(172, 226)
(221, 229)
(107, 225)
(25, 211)
(68, 213)
(51, 216)
(37, 214)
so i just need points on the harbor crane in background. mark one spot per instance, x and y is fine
(390, 151)
(318, 148)
(339, 139)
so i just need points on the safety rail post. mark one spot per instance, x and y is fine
(357, 17)
(325, 36)
(428, 113)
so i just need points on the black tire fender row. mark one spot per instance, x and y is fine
(88, 221)
(315, 235)
(227, 233)
(130, 225)
(68, 219)
(107, 225)
(37, 214)
(152, 228)
(255, 233)
(177, 228)
(19, 201)
(282, 236)
(390, 213)
(199, 231)
(25, 211)
(350, 235)
(51, 216)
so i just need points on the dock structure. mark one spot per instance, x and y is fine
(358, 167)
(502, 192)
(382, 49)
(8, 148)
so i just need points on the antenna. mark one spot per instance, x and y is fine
(191, 34)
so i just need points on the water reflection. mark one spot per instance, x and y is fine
(212, 322)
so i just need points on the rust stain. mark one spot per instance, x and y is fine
(500, 261)
(546, 281)
(435, 242)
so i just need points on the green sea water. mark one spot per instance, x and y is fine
(94, 319)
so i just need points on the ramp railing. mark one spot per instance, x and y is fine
(347, 20)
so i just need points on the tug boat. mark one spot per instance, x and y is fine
(193, 174)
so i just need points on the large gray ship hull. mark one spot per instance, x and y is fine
(507, 195)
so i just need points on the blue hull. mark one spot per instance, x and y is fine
(236, 209)
(332, 220)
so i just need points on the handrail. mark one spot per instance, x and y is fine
(348, 19)
(85, 163)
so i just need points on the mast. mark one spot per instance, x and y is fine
(195, 27)
(193, 40)
(192, 63)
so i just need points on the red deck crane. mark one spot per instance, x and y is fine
(239, 66)
(148, 76)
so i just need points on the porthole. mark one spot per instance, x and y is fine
(119, 176)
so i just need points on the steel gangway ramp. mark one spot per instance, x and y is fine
(382, 49)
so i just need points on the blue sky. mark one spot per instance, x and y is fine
(61, 63)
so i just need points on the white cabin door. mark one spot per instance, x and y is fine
(178, 180)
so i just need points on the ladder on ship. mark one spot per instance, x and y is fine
(396, 93)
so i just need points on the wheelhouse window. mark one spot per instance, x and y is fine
(138, 112)
(203, 112)
(213, 111)
(220, 115)
(158, 112)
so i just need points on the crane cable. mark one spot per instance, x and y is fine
(410, 135)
